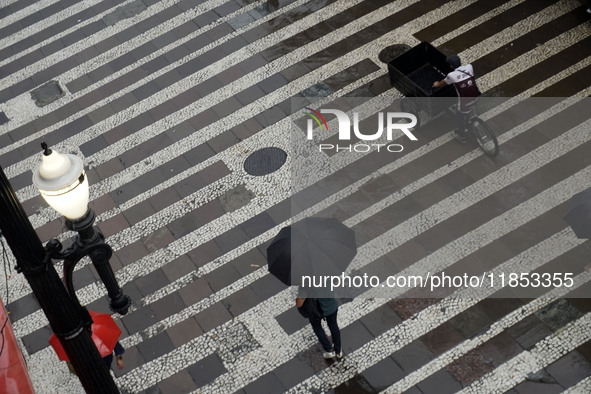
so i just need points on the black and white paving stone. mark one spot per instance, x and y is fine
(168, 99)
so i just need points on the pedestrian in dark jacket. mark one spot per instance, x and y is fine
(329, 308)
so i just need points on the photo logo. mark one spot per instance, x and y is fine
(315, 115)
(393, 129)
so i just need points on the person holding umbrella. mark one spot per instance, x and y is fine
(329, 308)
(118, 350)
(105, 335)
(314, 246)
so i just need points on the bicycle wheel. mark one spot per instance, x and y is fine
(407, 105)
(485, 137)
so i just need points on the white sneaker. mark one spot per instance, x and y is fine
(328, 355)
(589, 10)
(340, 355)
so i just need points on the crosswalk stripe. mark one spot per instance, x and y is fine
(437, 262)
(534, 56)
(528, 24)
(275, 353)
(529, 59)
(24, 287)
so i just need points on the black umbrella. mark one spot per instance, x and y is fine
(578, 216)
(312, 246)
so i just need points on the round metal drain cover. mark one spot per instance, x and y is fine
(393, 51)
(265, 161)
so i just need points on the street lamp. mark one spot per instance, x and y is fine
(62, 182)
(66, 316)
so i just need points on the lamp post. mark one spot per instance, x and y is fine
(60, 177)
(63, 184)
(62, 312)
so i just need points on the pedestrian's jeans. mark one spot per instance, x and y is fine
(331, 321)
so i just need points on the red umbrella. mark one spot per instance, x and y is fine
(105, 334)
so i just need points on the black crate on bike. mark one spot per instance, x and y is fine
(414, 72)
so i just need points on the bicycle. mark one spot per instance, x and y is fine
(485, 137)
(413, 72)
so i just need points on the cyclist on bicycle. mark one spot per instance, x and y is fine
(462, 77)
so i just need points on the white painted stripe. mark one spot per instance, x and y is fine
(544, 353)
(496, 328)
(433, 316)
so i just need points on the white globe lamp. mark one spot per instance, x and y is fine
(62, 182)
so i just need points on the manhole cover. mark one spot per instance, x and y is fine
(265, 161)
(47, 93)
(393, 51)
